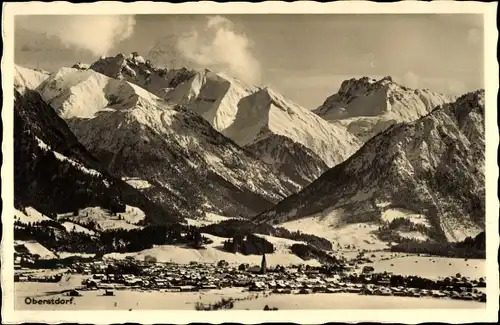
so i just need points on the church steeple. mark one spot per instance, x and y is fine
(263, 265)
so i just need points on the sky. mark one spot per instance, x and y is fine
(305, 57)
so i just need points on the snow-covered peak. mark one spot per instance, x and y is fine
(28, 78)
(245, 113)
(83, 93)
(367, 106)
(213, 95)
(266, 113)
(370, 97)
(136, 69)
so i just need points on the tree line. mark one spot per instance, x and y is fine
(248, 245)
(468, 248)
(54, 236)
(240, 227)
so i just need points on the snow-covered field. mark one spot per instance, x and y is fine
(428, 266)
(210, 218)
(360, 235)
(214, 252)
(141, 300)
(103, 218)
(31, 215)
(391, 214)
(69, 254)
(328, 224)
(36, 248)
(352, 301)
(281, 244)
(137, 182)
(73, 227)
(456, 231)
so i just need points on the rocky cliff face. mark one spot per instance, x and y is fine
(288, 158)
(368, 106)
(137, 70)
(432, 168)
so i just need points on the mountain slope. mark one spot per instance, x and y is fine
(215, 96)
(185, 163)
(368, 106)
(55, 174)
(273, 127)
(432, 168)
(289, 138)
(288, 158)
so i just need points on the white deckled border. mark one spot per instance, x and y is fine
(489, 314)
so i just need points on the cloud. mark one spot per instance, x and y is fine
(411, 79)
(98, 34)
(219, 46)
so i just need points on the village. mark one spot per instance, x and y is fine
(355, 276)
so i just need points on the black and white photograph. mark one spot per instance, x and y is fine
(240, 161)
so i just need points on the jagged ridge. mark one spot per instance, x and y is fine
(367, 106)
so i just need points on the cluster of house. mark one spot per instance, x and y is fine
(21, 260)
(382, 288)
(280, 280)
(114, 274)
(31, 277)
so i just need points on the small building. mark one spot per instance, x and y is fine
(258, 286)
(74, 293)
(368, 269)
(109, 293)
(209, 286)
(187, 288)
(254, 269)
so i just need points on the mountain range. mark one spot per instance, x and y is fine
(430, 170)
(274, 129)
(180, 159)
(179, 143)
